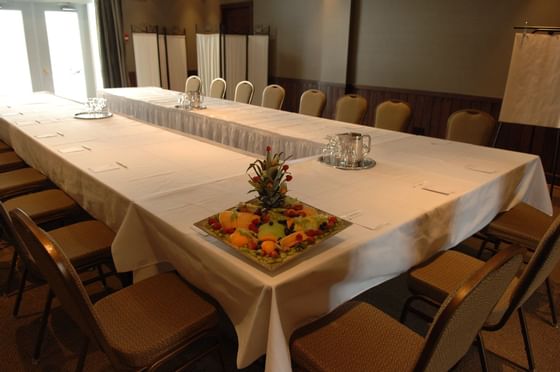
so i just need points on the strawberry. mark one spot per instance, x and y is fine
(216, 226)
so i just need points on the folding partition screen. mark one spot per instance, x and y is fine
(208, 58)
(241, 57)
(173, 57)
(235, 53)
(258, 64)
(146, 59)
(161, 60)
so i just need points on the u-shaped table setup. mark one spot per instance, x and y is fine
(152, 170)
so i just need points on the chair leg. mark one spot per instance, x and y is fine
(102, 276)
(551, 303)
(482, 353)
(526, 340)
(20, 292)
(42, 328)
(482, 248)
(11, 272)
(83, 354)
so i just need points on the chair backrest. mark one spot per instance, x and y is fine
(540, 266)
(218, 88)
(393, 115)
(312, 102)
(465, 310)
(62, 278)
(471, 126)
(244, 92)
(273, 97)
(33, 272)
(193, 83)
(350, 108)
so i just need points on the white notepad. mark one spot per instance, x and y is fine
(104, 168)
(67, 150)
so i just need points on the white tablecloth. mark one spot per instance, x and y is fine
(423, 195)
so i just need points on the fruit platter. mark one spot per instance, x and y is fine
(273, 228)
(272, 237)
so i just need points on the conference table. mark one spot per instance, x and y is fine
(151, 184)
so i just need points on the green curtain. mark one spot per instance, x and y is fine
(110, 26)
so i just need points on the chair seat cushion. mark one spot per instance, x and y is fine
(145, 321)
(441, 275)
(356, 337)
(21, 179)
(42, 206)
(85, 243)
(10, 160)
(522, 224)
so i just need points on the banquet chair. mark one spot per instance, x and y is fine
(432, 282)
(140, 327)
(393, 115)
(359, 337)
(87, 245)
(350, 108)
(192, 84)
(273, 96)
(22, 181)
(244, 92)
(43, 207)
(4, 147)
(525, 226)
(471, 126)
(9, 160)
(218, 88)
(312, 102)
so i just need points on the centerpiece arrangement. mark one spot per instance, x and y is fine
(272, 228)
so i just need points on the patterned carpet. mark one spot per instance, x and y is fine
(17, 335)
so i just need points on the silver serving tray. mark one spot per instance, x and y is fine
(93, 115)
(364, 164)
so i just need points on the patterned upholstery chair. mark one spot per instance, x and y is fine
(358, 337)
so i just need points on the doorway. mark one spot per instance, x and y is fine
(237, 18)
(50, 49)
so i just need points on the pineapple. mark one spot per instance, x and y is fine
(270, 179)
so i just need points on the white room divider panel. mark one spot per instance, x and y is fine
(258, 64)
(177, 60)
(146, 59)
(208, 58)
(235, 62)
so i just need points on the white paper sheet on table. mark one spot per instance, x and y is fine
(104, 168)
(68, 150)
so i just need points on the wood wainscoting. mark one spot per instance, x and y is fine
(430, 111)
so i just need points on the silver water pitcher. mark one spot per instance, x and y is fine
(353, 149)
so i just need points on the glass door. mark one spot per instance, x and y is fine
(14, 67)
(52, 43)
(66, 54)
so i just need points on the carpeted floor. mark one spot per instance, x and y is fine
(17, 335)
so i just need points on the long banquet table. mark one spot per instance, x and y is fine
(239, 125)
(150, 185)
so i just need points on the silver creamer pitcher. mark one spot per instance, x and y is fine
(353, 149)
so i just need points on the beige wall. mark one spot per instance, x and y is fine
(309, 39)
(459, 47)
(444, 46)
(182, 14)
